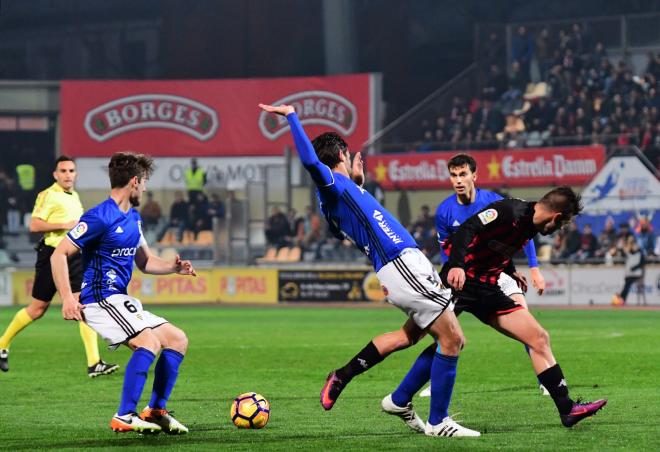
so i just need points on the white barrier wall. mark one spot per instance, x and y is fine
(590, 285)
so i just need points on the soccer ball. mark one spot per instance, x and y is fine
(250, 410)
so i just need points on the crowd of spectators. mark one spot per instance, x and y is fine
(187, 217)
(582, 97)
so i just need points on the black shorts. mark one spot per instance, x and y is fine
(484, 301)
(44, 288)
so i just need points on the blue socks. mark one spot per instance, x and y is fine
(416, 377)
(134, 379)
(167, 371)
(443, 376)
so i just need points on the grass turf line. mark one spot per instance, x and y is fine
(48, 402)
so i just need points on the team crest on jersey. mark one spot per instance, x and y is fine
(79, 230)
(487, 216)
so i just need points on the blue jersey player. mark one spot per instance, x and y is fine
(408, 278)
(468, 201)
(110, 239)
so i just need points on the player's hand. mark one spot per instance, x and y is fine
(520, 280)
(357, 170)
(279, 110)
(538, 281)
(183, 267)
(456, 278)
(72, 309)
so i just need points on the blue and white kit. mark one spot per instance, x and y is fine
(109, 239)
(408, 278)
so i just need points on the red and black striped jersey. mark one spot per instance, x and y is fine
(485, 244)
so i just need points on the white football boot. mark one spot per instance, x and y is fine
(449, 427)
(406, 413)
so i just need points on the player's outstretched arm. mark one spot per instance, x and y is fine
(538, 281)
(71, 307)
(151, 264)
(321, 174)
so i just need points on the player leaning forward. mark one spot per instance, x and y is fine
(413, 284)
(110, 239)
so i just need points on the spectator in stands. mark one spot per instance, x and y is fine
(150, 213)
(216, 207)
(199, 213)
(621, 239)
(488, 117)
(278, 229)
(544, 49)
(522, 50)
(424, 220)
(494, 50)
(588, 245)
(310, 230)
(496, 84)
(178, 216)
(645, 237)
(606, 240)
(572, 241)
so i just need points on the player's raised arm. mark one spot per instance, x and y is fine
(321, 174)
(71, 308)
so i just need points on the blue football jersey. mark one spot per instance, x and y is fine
(108, 239)
(350, 210)
(353, 211)
(450, 214)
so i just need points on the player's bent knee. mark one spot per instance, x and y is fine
(146, 339)
(37, 309)
(452, 343)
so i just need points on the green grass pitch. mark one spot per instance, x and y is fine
(48, 402)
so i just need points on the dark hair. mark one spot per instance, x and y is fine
(461, 160)
(124, 166)
(564, 200)
(328, 146)
(63, 158)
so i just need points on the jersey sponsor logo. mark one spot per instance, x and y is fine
(78, 230)
(314, 108)
(487, 216)
(378, 215)
(121, 252)
(151, 111)
(119, 230)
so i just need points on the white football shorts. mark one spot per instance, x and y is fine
(412, 284)
(508, 285)
(119, 318)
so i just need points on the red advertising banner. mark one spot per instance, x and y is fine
(502, 168)
(209, 117)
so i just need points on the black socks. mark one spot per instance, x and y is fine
(363, 361)
(554, 381)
